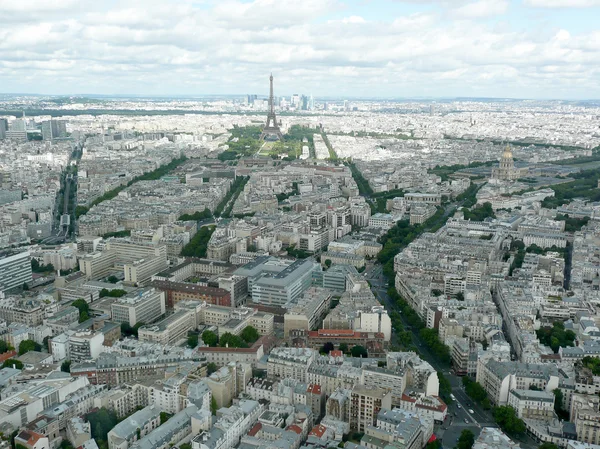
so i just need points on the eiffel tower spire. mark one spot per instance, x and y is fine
(271, 128)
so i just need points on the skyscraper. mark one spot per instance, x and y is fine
(3, 128)
(53, 129)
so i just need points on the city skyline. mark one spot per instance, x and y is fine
(538, 49)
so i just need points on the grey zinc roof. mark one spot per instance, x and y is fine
(127, 428)
(163, 434)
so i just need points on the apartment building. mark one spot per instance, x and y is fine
(309, 312)
(365, 404)
(138, 425)
(499, 378)
(170, 330)
(15, 271)
(140, 306)
(26, 311)
(290, 362)
(85, 345)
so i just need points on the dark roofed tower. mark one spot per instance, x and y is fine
(271, 129)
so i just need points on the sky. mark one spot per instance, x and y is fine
(541, 49)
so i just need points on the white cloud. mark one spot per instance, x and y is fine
(481, 9)
(318, 46)
(562, 3)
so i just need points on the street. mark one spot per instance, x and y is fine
(458, 410)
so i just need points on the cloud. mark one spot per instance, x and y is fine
(562, 3)
(480, 9)
(319, 46)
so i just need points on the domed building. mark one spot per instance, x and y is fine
(506, 171)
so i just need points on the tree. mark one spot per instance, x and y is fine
(359, 351)
(558, 404)
(65, 366)
(65, 444)
(328, 263)
(474, 389)
(434, 445)
(211, 368)
(164, 417)
(506, 417)
(460, 296)
(136, 328)
(344, 348)
(327, 348)
(466, 440)
(445, 387)
(84, 309)
(548, 446)
(126, 329)
(213, 405)
(556, 336)
(210, 338)
(249, 334)
(10, 363)
(101, 422)
(46, 343)
(28, 345)
(4, 347)
(231, 341)
(112, 279)
(192, 340)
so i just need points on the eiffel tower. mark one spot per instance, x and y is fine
(271, 129)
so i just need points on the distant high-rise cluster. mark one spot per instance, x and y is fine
(53, 129)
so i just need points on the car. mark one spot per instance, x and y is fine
(466, 420)
(458, 405)
(471, 411)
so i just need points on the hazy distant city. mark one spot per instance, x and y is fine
(402, 254)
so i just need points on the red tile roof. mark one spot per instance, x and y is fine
(318, 431)
(314, 389)
(255, 429)
(294, 428)
(7, 355)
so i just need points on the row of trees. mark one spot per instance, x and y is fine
(114, 293)
(572, 224)
(356, 351)
(37, 267)
(363, 185)
(444, 171)
(429, 337)
(238, 183)
(297, 253)
(505, 416)
(247, 337)
(235, 192)
(479, 213)
(150, 176)
(198, 245)
(197, 216)
(125, 233)
(584, 186)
